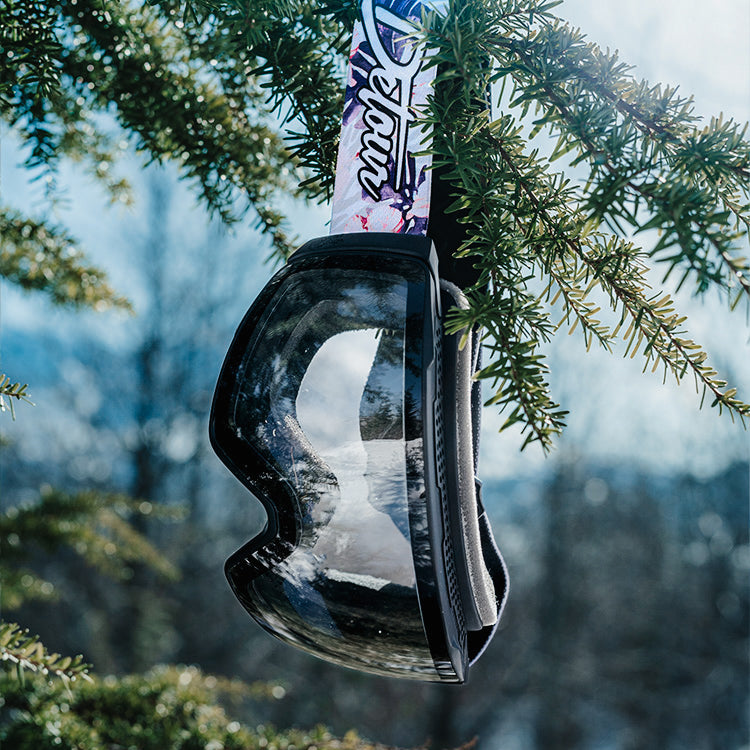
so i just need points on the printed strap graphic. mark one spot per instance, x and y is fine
(380, 185)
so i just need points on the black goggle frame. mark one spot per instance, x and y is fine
(444, 583)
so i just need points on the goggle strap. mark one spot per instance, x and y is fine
(381, 184)
(448, 234)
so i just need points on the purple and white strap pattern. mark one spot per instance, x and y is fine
(381, 186)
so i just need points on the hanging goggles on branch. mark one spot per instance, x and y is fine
(344, 408)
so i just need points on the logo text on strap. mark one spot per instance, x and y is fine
(386, 97)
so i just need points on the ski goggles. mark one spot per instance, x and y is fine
(344, 408)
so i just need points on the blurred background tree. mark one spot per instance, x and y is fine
(628, 621)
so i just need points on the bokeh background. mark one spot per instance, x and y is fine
(627, 624)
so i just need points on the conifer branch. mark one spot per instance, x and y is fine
(28, 37)
(166, 707)
(42, 257)
(519, 370)
(198, 112)
(180, 94)
(21, 585)
(301, 79)
(521, 216)
(654, 320)
(11, 392)
(27, 652)
(93, 525)
(682, 173)
(183, 76)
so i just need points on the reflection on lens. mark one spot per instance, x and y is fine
(321, 396)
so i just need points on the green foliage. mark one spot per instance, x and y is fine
(96, 526)
(168, 707)
(303, 78)
(28, 653)
(40, 256)
(30, 47)
(174, 90)
(542, 241)
(649, 168)
(11, 392)
(651, 165)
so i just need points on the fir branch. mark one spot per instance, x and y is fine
(166, 707)
(21, 585)
(30, 48)
(27, 652)
(740, 267)
(96, 526)
(671, 164)
(654, 320)
(303, 80)
(296, 50)
(516, 369)
(198, 105)
(511, 318)
(179, 92)
(520, 215)
(41, 256)
(11, 392)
